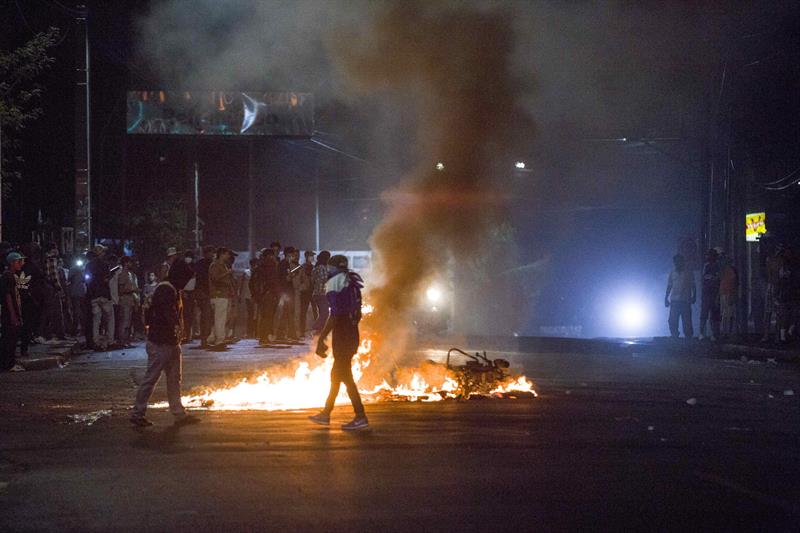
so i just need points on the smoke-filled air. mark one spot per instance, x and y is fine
(456, 64)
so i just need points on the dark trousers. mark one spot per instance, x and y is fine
(8, 345)
(88, 321)
(76, 323)
(680, 311)
(266, 316)
(252, 318)
(304, 301)
(52, 323)
(206, 316)
(31, 317)
(189, 301)
(343, 373)
(709, 311)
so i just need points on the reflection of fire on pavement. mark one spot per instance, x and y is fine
(305, 385)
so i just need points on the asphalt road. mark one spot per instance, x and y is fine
(610, 444)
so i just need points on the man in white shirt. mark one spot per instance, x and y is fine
(681, 295)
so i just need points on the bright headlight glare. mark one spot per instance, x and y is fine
(433, 294)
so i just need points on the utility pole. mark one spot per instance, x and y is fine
(83, 184)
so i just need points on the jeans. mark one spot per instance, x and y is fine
(124, 325)
(161, 358)
(680, 311)
(220, 308)
(321, 301)
(284, 316)
(76, 311)
(102, 309)
(343, 373)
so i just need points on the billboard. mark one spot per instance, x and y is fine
(755, 226)
(220, 113)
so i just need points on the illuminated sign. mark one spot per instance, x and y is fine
(756, 226)
(220, 113)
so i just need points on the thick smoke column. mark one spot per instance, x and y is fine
(455, 62)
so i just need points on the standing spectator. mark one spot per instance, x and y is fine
(188, 299)
(770, 307)
(709, 299)
(33, 289)
(124, 293)
(172, 256)
(302, 292)
(76, 287)
(785, 293)
(11, 314)
(249, 301)
(147, 293)
(681, 295)
(52, 325)
(284, 315)
(202, 297)
(265, 286)
(276, 250)
(344, 297)
(221, 291)
(319, 277)
(728, 296)
(163, 355)
(99, 294)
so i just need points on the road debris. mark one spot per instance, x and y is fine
(89, 418)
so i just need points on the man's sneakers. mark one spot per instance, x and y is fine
(359, 422)
(323, 419)
(140, 421)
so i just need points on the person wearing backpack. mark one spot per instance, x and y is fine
(344, 296)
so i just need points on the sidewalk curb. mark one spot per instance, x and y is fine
(49, 356)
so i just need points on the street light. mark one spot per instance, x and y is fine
(520, 165)
(440, 166)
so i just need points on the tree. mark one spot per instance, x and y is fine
(161, 223)
(19, 95)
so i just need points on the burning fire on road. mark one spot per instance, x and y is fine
(305, 386)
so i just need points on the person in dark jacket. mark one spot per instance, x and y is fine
(163, 354)
(202, 297)
(344, 297)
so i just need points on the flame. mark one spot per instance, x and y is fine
(305, 384)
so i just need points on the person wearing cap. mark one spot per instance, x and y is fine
(11, 315)
(344, 296)
(221, 291)
(172, 255)
(709, 299)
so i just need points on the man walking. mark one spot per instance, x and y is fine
(681, 295)
(11, 315)
(163, 355)
(344, 297)
(221, 290)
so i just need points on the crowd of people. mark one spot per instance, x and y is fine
(105, 297)
(719, 297)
